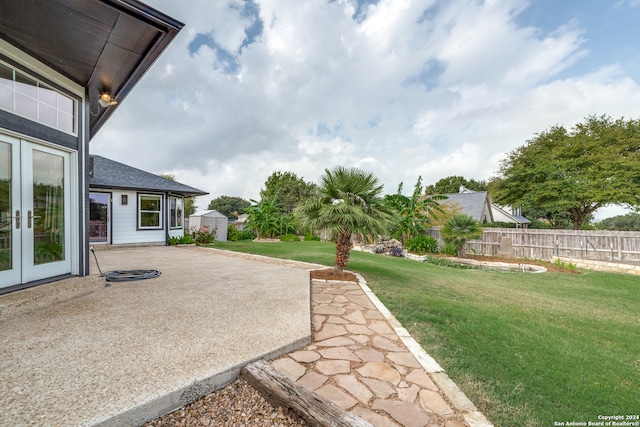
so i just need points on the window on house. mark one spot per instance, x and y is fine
(149, 211)
(28, 97)
(175, 212)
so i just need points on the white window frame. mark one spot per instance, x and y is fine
(176, 212)
(40, 103)
(159, 197)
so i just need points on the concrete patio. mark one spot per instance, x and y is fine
(79, 353)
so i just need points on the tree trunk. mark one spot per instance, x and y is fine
(579, 215)
(343, 246)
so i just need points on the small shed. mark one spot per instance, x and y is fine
(213, 220)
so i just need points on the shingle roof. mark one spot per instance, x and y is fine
(469, 203)
(106, 173)
(521, 219)
(210, 214)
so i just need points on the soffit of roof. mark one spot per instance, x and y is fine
(103, 45)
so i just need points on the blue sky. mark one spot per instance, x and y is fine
(401, 88)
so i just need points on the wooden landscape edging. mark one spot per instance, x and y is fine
(279, 390)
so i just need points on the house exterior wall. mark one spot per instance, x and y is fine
(124, 221)
(176, 232)
(75, 144)
(499, 216)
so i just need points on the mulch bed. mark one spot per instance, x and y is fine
(546, 264)
(330, 274)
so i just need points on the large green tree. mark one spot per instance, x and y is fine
(229, 205)
(628, 222)
(412, 215)
(574, 171)
(287, 190)
(348, 202)
(451, 184)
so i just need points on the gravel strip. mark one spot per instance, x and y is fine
(236, 405)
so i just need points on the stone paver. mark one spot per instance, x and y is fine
(348, 303)
(364, 361)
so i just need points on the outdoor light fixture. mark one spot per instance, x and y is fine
(106, 100)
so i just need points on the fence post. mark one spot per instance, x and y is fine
(620, 247)
(611, 251)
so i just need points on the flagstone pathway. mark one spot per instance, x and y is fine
(363, 360)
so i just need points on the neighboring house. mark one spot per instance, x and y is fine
(65, 66)
(474, 203)
(479, 206)
(505, 214)
(131, 206)
(241, 222)
(213, 220)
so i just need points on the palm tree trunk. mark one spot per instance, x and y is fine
(343, 246)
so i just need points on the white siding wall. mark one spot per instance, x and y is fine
(124, 220)
(499, 216)
(176, 232)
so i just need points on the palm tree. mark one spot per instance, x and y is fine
(458, 229)
(413, 214)
(348, 202)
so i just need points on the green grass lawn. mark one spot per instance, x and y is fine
(528, 349)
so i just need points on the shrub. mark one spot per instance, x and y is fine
(246, 235)
(232, 233)
(289, 238)
(203, 235)
(311, 238)
(185, 239)
(449, 249)
(442, 262)
(564, 265)
(422, 244)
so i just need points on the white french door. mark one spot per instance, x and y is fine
(34, 217)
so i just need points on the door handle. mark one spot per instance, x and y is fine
(30, 216)
(18, 217)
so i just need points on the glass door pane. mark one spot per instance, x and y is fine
(10, 212)
(98, 218)
(6, 209)
(48, 208)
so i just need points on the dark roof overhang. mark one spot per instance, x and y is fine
(103, 45)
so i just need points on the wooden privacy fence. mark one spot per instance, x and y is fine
(543, 244)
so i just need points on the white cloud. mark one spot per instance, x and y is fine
(410, 88)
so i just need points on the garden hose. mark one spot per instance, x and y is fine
(125, 275)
